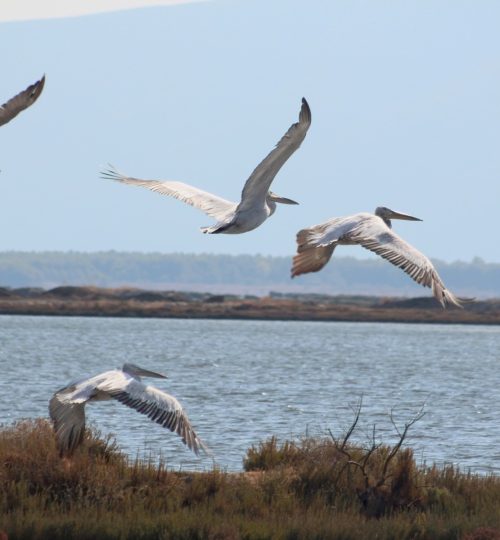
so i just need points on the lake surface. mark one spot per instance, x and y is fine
(243, 381)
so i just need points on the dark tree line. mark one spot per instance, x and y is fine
(156, 270)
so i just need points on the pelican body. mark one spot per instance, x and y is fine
(315, 246)
(257, 201)
(21, 101)
(67, 406)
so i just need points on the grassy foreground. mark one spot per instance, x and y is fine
(310, 489)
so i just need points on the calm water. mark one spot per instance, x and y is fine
(242, 381)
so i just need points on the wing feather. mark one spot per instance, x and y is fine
(259, 182)
(315, 245)
(159, 407)
(212, 205)
(21, 101)
(69, 423)
(377, 237)
(311, 260)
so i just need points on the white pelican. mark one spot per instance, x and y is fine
(67, 406)
(257, 201)
(21, 101)
(315, 246)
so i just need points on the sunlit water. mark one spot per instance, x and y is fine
(244, 381)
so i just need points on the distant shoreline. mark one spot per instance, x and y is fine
(237, 274)
(127, 302)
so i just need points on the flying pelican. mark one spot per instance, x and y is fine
(315, 246)
(257, 201)
(67, 406)
(21, 101)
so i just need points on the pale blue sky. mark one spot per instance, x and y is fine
(405, 98)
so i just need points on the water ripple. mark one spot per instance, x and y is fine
(244, 381)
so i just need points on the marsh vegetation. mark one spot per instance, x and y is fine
(312, 488)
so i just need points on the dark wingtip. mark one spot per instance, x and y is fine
(109, 173)
(36, 88)
(305, 112)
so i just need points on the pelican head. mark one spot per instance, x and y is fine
(387, 214)
(276, 198)
(137, 371)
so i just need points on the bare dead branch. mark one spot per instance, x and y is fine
(394, 425)
(357, 413)
(397, 446)
(369, 452)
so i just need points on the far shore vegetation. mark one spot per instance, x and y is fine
(237, 274)
(327, 488)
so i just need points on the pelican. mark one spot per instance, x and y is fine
(67, 406)
(257, 201)
(315, 246)
(21, 101)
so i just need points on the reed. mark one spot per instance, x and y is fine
(288, 490)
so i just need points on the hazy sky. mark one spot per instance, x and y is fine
(405, 99)
(24, 10)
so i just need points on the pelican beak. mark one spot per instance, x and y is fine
(147, 373)
(282, 200)
(399, 215)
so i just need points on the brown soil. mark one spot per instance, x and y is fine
(92, 301)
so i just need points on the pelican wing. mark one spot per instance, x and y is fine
(315, 245)
(374, 235)
(156, 405)
(21, 101)
(212, 205)
(68, 418)
(311, 260)
(259, 182)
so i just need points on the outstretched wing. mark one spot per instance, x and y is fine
(69, 421)
(259, 182)
(158, 407)
(315, 245)
(374, 235)
(21, 101)
(212, 205)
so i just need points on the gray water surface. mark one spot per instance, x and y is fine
(244, 381)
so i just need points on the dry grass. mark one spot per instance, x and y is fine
(290, 491)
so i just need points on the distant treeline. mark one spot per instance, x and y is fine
(239, 274)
